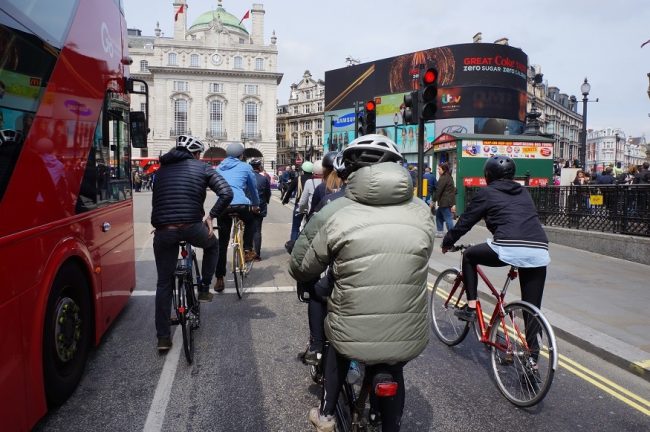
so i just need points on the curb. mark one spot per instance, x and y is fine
(614, 351)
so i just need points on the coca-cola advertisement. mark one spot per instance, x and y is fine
(474, 80)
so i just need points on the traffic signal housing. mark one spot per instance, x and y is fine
(429, 94)
(370, 114)
(361, 123)
(411, 108)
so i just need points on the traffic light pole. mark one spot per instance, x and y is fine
(420, 181)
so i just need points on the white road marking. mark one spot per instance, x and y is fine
(160, 400)
(252, 290)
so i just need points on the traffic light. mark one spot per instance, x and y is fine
(370, 114)
(361, 123)
(411, 108)
(429, 94)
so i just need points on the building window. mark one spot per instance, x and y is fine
(238, 62)
(181, 86)
(141, 88)
(250, 89)
(180, 116)
(295, 110)
(307, 109)
(216, 87)
(171, 59)
(216, 118)
(320, 106)
(194, 60)
(143, 107)
(319, 124)
(259, 64)
(308, 94)
(250, 118)
(294, 127)
(144, 66)
(308, 125)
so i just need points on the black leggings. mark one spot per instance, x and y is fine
(531, 280)
(335, 371)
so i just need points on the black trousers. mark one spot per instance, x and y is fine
(335, 371)
(531, 280)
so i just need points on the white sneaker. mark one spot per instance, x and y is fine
(322, 423)
(440, 234)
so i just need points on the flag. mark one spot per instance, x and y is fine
(179, 11)
(246, 16)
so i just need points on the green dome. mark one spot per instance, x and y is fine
(220, 13)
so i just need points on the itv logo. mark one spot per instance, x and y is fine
(449, 99)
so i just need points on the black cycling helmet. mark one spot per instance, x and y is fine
(499, 167)
(328, 160)
(256, 163)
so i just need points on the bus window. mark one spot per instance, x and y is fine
(48, 19)
(107, 176)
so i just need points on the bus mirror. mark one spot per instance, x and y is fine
(138, 129)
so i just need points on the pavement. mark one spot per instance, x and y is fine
(593, 301)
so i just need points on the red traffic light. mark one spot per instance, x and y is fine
(370, 105)
(430, 76)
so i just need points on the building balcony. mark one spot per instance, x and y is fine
(177, 132)
(252, 136)
(216, 134)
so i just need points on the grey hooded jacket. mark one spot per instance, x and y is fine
(378, 240)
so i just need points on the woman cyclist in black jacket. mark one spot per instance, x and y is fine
(518, 237)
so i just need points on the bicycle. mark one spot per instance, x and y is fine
(521, 341)
(354, 411)
(240, 268)
(184, 297)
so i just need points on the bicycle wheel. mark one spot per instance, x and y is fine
(446, 297)
(182, 315)
(343, 410)
(238, 269)
(524, 354)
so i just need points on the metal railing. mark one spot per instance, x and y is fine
(216, 134)
(621, 209)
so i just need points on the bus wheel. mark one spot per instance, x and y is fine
(66, 336)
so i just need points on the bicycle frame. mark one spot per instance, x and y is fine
(237, 239)
(497, 314)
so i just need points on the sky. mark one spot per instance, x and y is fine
(569, 39)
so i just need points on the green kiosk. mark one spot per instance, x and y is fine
(466, 154)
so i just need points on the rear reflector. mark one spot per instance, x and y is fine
(184, 253)
(386, 389)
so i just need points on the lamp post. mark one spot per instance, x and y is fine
(584, 88)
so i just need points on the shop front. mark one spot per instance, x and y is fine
(467, 153)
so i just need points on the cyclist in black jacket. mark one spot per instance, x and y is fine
(518, 237)
(177, 214)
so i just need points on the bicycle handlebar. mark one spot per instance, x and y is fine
(460, 247)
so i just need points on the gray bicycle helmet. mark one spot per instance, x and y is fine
(328, 159)
(192, 144)
(235, 149)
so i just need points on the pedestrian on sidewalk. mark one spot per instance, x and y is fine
(446, 198)
(296, 186)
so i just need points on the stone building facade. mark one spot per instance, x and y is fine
(300, 122)
(214, 80)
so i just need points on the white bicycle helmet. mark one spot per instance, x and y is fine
(192, 144)
(369, 150)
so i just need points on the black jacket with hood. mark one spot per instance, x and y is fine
(180, 188)
(510, 215)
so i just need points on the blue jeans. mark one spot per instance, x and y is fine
(295, 224)
(165, 249)
(444, 214)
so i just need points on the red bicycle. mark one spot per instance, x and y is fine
(522, 344)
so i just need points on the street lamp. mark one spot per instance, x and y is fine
(584, 89)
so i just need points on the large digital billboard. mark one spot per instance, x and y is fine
(485, 82)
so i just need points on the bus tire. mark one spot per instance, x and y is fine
(66, 333)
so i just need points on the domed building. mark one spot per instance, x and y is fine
(216, 79)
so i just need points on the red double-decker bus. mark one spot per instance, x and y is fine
(67, 264)
(145, 165)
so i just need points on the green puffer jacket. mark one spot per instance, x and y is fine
(378, 240)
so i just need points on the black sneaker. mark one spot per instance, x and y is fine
(164, 344)
(466, 314)
(312, 357)
(205, 296)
